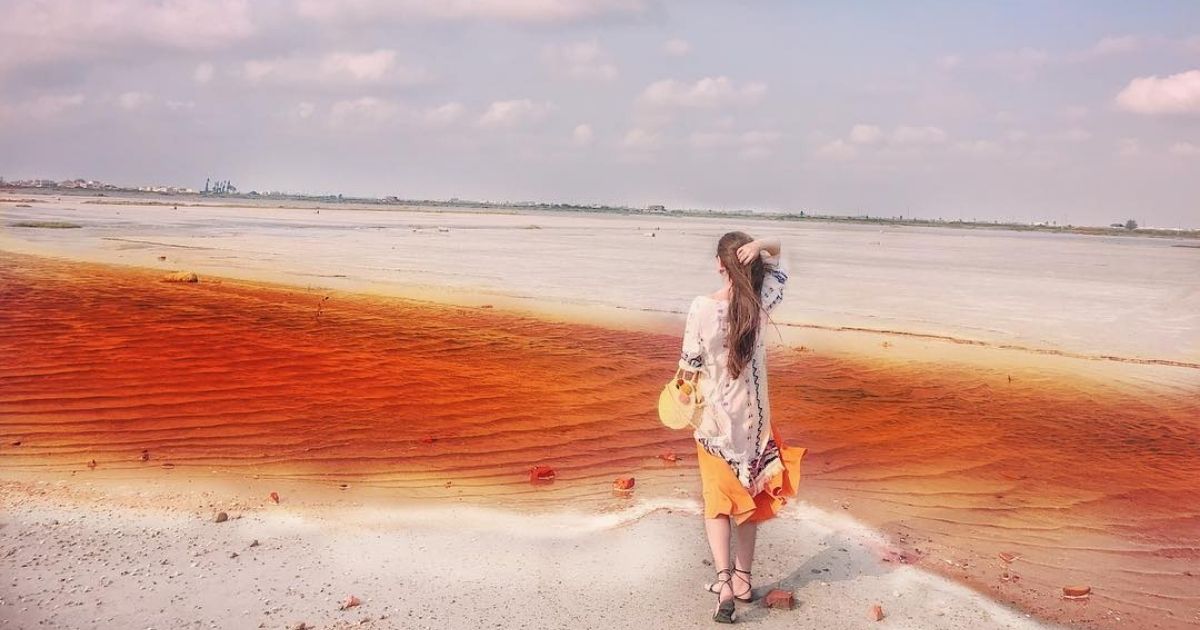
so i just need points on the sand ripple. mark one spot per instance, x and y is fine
(1088, 482)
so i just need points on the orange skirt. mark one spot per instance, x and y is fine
(724, 495)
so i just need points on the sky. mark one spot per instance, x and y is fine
(1079, 112)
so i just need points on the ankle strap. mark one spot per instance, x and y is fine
(741, 571)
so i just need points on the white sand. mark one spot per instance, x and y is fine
(122, 557)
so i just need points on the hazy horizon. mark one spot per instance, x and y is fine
(1084, 113)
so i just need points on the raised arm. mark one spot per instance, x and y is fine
(769, 246)
(775, 276)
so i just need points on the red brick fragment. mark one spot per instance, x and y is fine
(779, 598)
(623, 483)
(541, 473)
(1076, 592)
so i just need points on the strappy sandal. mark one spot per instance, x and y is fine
(746, 597)
(725, 609)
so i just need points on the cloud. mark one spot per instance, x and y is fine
(133, 100)
(366, 113)
(34, 32)
(1115, 46)
(305, 110)
(865, 134)
(1074, 113)
(203, 73)
(837, 150)
(979, 148)
(520, 11)
(676, 47)
(443, 115)
(867, 139)
(371, 67)
(1129, 148)
(582, 135)
(918, 135)
(514, 113)
(1110, 47)
(1075, 134)
(332, 69)
(1185, 149)
(45, 107)
(949, 62)
(1022, 65)
(707, 93)
(1154, 95)
(638, 139)
(371, 113)
(49, 106)
(580, 60)
(747, 145)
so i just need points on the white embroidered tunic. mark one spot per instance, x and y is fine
(736, 425)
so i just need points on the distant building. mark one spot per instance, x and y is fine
(656, 208)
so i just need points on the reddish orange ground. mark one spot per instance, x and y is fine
(1087, 483)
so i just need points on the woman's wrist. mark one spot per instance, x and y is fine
(767, 246)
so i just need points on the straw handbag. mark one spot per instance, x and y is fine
(676, 414)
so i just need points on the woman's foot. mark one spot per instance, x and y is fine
(743, 591)
(739, 583)
(723, 587)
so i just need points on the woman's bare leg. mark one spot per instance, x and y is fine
(745, 536)
(718, 530)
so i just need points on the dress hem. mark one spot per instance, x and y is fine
(724, 495)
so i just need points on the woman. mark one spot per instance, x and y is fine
(746, 470)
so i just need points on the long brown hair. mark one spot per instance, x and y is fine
(745, 305)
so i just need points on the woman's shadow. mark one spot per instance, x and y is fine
(838, 560)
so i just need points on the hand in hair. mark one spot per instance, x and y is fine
(748, 252)
(751, 251)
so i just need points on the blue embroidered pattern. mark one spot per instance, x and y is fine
(757, 402)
